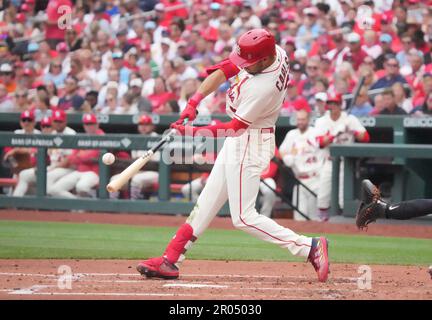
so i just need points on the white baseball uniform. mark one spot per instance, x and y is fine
(54, 172)
(343, 129)
(300, 151)
(255, 100)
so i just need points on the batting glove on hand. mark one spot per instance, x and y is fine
(189, 113)
(181, 129)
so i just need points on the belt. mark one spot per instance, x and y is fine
(306, 176)
(267, 130)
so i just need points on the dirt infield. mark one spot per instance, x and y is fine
(209, 280)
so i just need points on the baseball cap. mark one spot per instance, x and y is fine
(59, 115)
(20, 17)
(215, 6)
(300, 53)
(296, 67)
(311, 11)
(145, 119)
(159, 7)
(353, 37)
(89, 118)
(32, 47)
(62, 47)
(117, 55)
(28, 72)
(150, 25)
(28, 114)
(46, 121)
(6, 67)
(386, 38)
(289, 40)
(137, 82)
(322, 96)
(334, 97)
(145, 47)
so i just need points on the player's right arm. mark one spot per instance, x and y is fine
(217, 75)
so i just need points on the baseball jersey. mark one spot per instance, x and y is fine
(346, 125)
(256, 100)
(300, 151)
(58, 155)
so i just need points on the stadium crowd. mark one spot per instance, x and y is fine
(130, 56)
(142, 57)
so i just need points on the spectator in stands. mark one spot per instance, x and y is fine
(370, 46)
(309, 30)
(160, 95)
(425, 109)
(142, 104)
(6, 103)
(361, 107)
(54, 30)
(408, 45)
(112, 105)
(312, 71)
(98, 74)
(7, 77)
(320, 104)
(72, 101)
(401, 97)
(391, 76)
(42, 105)
(85, 162)
(390, 106)
(355, 54)
(21, 101)
(387, 51)
(55, 74)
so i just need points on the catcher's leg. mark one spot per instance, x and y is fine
(409, 209)
(210, 201)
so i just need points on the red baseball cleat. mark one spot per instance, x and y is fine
(158, 268)
(318, 257)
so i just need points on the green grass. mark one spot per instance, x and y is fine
(44, 240)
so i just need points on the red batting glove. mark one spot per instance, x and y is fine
(181, 129)
(190, 111)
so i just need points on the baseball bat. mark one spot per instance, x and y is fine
(136, 166)
(355, 95)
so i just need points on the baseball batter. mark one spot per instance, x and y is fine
(254, 101)
(336, 126)
(300, 151)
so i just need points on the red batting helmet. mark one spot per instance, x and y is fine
(252, 47)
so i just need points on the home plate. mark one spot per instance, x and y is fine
(193, 285)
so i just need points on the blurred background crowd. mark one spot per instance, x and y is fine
(138, 56)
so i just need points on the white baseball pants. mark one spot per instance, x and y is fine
(325, 185)
(236, 177)
(28, 177)
(306, 203)
(83, 182)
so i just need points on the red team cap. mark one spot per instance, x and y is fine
(59, 115)
(46, 122)
(145, 119)
(89, 118)
(28, 114)
(252, 47)
(334, 97)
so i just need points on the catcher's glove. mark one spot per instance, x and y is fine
(371, 207)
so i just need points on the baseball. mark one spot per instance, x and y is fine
(108, 158)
